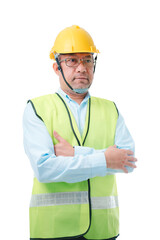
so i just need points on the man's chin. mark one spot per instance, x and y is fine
(80, 85)
(80, 90)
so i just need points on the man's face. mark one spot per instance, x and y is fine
(80, 76)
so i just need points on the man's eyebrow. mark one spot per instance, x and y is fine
(88, 56)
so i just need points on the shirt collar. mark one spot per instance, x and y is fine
(66, 97)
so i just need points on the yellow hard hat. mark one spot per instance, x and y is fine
(73, 40)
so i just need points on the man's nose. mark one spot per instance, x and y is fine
(81, 67)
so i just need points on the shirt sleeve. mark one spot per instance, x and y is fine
(123, 140)
(46, 165)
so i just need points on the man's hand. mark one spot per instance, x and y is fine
(63, 148)
(119, 158)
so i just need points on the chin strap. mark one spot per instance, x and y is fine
(60, 69)
(79, 91)
(95, 64)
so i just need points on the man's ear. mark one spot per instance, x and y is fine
(55, 68)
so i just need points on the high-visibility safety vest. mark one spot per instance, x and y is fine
(88, 208)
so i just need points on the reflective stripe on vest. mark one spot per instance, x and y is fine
(63, 198)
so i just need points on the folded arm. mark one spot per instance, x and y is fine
(123, 140)
(51, 166)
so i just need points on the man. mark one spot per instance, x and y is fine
(76, 143)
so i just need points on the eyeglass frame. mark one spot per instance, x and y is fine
(79, 61)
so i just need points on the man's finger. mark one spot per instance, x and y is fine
(124, 169)
(129, 152)
(132, 159)
(131, 165)
(58, 137)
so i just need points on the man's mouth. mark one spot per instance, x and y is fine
(81, 78)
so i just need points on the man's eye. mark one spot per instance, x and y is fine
(88, 60)
(73, 60)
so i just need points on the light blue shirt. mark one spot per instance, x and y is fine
(86, 162)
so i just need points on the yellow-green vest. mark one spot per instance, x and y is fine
(88, 208)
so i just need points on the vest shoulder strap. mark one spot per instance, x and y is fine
(106, 102)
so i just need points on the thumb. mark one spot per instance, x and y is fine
(115, 146)
(57, 136)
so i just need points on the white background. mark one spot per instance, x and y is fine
(127, 33)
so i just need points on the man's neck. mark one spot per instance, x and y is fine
(76, 96)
